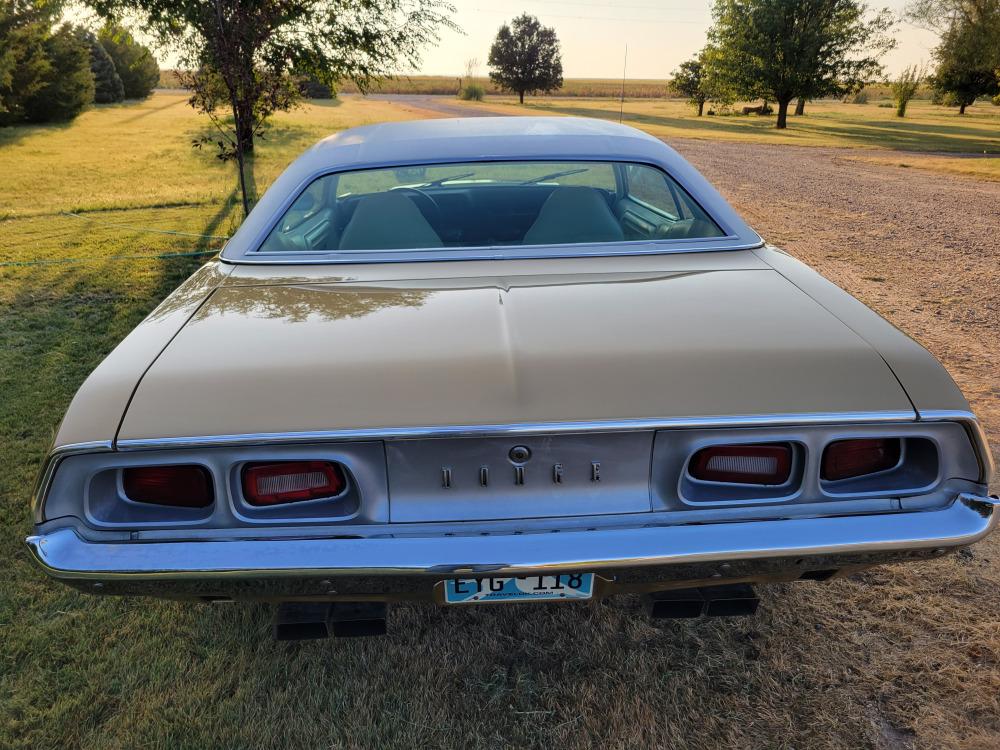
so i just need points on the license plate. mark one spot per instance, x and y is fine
(565, 587)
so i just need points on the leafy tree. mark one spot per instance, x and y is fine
(962, 83)
(968, 57)
(525, 57)
(242, 53)
(690, 79)
(136, 66)
(786, 49)
(108, 86)
(68, 85)
(905, 87)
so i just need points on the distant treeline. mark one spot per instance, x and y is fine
(449, 86)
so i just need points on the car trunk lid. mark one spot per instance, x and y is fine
(379, 355)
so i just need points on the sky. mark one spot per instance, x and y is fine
(593, 34)
(660, 34)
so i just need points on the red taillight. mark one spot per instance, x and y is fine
(291, 482)
(182, 486)
(743, 464)
(854, 458)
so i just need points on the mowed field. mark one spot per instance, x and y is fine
(897, 657)
(929, 135)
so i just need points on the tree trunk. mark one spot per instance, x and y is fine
(520, 95)
(901, 107)
(961, 108)
(800, 107)
(782, 122)
(244, 126)
(701, 107)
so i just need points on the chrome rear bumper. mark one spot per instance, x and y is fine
(256, 568)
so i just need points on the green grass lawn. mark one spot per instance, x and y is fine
(80, 671)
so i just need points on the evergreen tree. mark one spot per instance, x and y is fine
(136, 66)
(68, 85)
(108, 86)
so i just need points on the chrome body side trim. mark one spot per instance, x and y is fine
(65, 555)
(401, 433)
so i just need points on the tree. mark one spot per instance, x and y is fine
(905, 87)
(968, 57)
(963, 83)
(525, 57)
(785, 49)
(24, 63)
(690, 79)
(108, 86)
(134, 62)
(242, 54)
(68, 85)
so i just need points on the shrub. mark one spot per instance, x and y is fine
(949, 99)
(861, 97)
(311, 88)
(108, 86)
(472, 93)
(134, 62)
(886, 105)
(996, 100)
(68, 84)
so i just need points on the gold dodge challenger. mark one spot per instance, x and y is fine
(503, 360)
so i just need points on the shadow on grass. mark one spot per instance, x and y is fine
(147, 111)
(11, 134)
(902, 135)
(325, 103)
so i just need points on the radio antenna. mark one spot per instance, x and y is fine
(621, 109)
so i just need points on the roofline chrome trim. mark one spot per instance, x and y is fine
(534, 252)
(524, 428)
(62, 553)
(52, 460)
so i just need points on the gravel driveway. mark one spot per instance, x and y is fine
(920, 247)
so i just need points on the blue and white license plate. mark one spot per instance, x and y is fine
(565, 587)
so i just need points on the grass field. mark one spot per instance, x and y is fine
(449, 86)
(926, 129)
(828, 666)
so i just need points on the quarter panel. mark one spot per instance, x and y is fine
(99, 404)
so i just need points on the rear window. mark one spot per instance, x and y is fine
(488, 204)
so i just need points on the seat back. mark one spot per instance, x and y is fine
(388, 221)
(574, 214)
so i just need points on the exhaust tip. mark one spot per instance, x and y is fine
(298, 621)
(733, 600)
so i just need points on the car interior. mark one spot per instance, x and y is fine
(640, 203)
